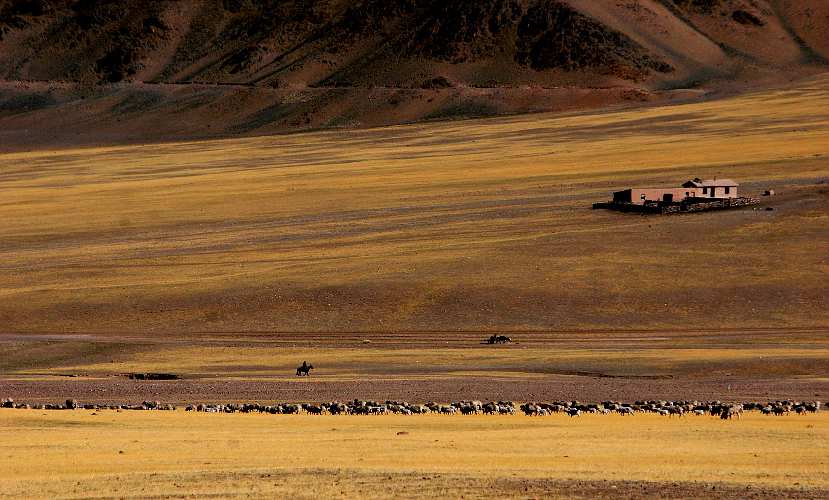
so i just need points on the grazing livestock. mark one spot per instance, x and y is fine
(779, 410)
(337, 408)
(530, 409)
(312, 409)
(499, 339)
(506, 410)
(731, 412)
(448, 409)
(377, 410)
(468, 410)
(290, 409)
(304, 370)
(725, 411)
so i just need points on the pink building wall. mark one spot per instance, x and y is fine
(639, 196)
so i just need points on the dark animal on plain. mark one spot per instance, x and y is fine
(304, 370)
(731, 412)
(499, 339)
(779, 410)
(337, 408)
(529, 409)
(290, 409)
(574, 412)
(468, 410)
(312, 409)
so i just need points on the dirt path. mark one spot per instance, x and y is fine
(730, 365)
(119, 390)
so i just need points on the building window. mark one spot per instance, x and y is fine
(642, 197)
(687, 194)
(704, 190)
(727, 190)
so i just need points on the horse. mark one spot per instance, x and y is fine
(499, 339)
(304, 370)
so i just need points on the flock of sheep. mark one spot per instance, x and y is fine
(358, 407)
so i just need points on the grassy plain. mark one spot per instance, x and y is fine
(229, 262)
(481, 225)
(87, 454)
(533, 357)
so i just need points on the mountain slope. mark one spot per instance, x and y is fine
(419, 58)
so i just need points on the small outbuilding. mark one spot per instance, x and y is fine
(697, 188)
(694, 196)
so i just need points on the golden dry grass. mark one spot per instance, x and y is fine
(473, 225)
(336, 363)
(147, 453)
(462, 226)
